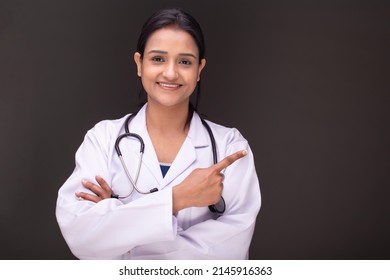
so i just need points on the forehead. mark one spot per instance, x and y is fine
(172, 40)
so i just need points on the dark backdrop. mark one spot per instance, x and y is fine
(307, 83)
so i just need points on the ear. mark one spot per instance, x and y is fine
(201, 66)
(138, 62)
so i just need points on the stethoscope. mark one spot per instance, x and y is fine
(215, 208)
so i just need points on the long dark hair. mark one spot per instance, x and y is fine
(184, 21)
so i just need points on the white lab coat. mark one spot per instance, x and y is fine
(143, 226)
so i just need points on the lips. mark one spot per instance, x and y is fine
(169, 85)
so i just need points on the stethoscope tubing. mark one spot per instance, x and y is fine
(220, 206)
(215, 208)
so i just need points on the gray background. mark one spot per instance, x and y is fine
(306, 82)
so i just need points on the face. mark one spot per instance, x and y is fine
(169, 68)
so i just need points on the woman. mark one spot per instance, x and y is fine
(163, 213)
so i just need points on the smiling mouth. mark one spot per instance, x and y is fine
(169, 85)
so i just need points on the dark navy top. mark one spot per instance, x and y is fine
(164, 168)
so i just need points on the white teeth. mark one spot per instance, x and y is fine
(169, 85)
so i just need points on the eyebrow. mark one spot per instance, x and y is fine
(165, 52)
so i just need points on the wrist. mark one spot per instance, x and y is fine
(178, 199)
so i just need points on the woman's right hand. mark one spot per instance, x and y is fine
(101, 191)
(203, 187)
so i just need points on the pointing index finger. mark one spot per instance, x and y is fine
(219, 166)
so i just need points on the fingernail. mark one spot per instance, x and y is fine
(244, 152)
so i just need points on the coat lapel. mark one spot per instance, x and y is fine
(184, 159)
(187, 156)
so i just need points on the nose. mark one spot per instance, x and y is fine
(170, 71)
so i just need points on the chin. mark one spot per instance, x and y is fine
(170, 103)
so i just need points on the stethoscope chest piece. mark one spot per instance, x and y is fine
(218, 208)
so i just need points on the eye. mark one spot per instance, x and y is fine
(185, 62)
(157, 59)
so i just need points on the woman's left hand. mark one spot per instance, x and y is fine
(101, 191)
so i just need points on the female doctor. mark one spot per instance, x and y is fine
(154, 204)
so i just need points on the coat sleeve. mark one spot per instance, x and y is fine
(88, 228)
(229, 236)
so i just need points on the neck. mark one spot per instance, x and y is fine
(167, 119)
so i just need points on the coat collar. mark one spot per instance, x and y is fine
(197, 138)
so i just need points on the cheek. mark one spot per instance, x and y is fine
(192, 76)
(148, 73)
